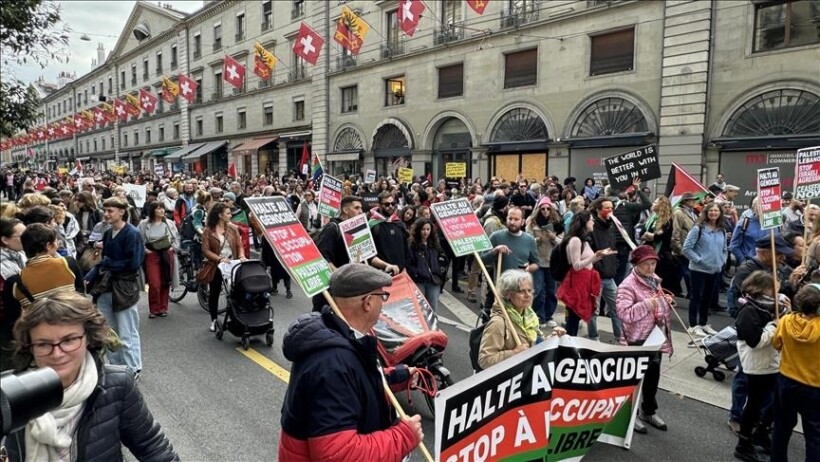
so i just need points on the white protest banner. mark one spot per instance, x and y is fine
(358, 238)
(370, 176)
(136, 192)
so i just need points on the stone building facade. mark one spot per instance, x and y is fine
(531, 87)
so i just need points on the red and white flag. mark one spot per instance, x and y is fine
(308, 44)
(232, 170)
(148, 102)
(99, 116)
(79, 123)
(187, 87)
(409, 15)
(120, 110)
(233, 72)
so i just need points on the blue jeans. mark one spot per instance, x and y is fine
(731, 301)
(572, 322)
(683, 262)
(545, 301)
(126, 323)
(795, 398)
(609, 291)
(431, 292)
(701, 296)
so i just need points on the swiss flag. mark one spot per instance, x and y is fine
(308, 44)
(120, 110)
(78, 122)
(409, 15)
(478, 5)
(233, 72)
(99, 116)
(187, 87)
(52, 131)
(148, 102)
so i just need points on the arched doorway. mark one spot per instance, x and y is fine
(391, 149)
(766, 130)
(345, 159)
(451, 144)
(518, 145)
(607, 126)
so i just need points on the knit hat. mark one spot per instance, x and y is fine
(229, 196)
(500, 202)
(543, 201)
(643, 253)
(355, 279)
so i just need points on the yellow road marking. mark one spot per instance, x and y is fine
(266, 364)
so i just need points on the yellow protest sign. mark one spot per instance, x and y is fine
(455, 169)
(62, 170)
(405, 175)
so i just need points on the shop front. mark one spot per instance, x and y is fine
(518, 146)
(245, 155)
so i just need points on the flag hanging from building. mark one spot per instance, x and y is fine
(78, 122)
(351, 30)
(478, 5)
(681, 182)
(170, 90)
(99, 116)
(308, 44)
(108, 110)
(132, 106)
(120, 110)
(409, 14)
(148, 102)
(233, 72)
(263, 61)
(187, 87)
(88, 119)
(317, 172)
(67, 127)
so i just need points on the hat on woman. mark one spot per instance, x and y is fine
(643, 253)
(544, 201)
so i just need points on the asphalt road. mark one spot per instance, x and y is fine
(217, 403)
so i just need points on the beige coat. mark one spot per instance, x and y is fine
(682, 222)
(497, 342)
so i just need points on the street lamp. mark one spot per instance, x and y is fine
(85, 38)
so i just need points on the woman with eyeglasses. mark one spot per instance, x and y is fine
(102, 407)
(498, 341)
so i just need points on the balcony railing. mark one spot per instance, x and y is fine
(173, 65)
(133, 81)
(266, 24)
(448, 33)
(297, 74)
(239, 36)
(218, 45)
(390, 49)
(264, 83)
(594, 3)
(515, 17)
(197, 54)
(173, 107)
(238, 91)
(345, 62)
(297, 11)
(216, 96)
(159, 71)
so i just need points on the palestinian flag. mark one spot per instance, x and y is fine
(681, 182)
(357, 235)
(376, 218)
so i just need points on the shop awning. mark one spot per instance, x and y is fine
(342, 156)
(177, 155)
(162, 152)
(252, 145)
(617, 140)
(204, 150)
(755, 143)
(83, 159)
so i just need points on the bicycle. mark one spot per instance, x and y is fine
(188, 269)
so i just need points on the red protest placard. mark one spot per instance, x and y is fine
(768, 194)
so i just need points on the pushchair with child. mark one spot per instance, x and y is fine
(247, 287)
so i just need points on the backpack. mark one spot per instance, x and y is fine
(559, 261)
(187, 230)
(475, 345)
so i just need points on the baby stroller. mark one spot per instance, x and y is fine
(721, 349)
(247, 287)
(407, 333)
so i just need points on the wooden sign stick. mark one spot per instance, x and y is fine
(774, 273)
(498, 298)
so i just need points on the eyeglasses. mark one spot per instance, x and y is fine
(67, 345)
(388, 204)
(383, 295)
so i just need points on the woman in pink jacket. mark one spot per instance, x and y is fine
(642, 305)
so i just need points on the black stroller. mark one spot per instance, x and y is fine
(248, 313)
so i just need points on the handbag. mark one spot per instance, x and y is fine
(163, 243)
(89, 258)
(208, 269)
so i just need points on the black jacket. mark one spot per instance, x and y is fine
(751, 319)
(114, 414)
(629, 214)
(331, 244)
(423, 263)
(391, 243)
(603, 237)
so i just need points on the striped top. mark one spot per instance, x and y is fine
(44, 275)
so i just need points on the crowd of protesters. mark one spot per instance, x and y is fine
(629, 259)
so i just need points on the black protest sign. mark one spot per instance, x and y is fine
(370, 200)
(624, 168)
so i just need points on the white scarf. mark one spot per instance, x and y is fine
(11, 262)
(49, 436)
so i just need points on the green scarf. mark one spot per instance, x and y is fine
(527, 321)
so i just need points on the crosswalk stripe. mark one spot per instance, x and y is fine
(270, 366)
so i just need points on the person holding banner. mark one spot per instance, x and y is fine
(642, 305)
(705, 248)
(335, 407)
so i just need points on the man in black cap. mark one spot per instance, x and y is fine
(683, 219)
(335, 404)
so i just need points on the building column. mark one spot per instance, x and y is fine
(480, 163)
(282, 166)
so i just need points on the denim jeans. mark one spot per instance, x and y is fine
(572, 322)
(795, 398)
(623, 264)
(609, 291)
(126, 323)
(683, 262)
(731, 301)
(545, 301)
(431, 292)
(702, 286)
(740, 390)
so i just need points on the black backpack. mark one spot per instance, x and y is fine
(475, 345)
(559, 261)
(187, 230)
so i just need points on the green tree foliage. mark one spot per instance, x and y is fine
(28, 33)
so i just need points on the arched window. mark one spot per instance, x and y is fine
(389, 136)
(777, 112)
(519, 124)
(348, 140)
(609, 116)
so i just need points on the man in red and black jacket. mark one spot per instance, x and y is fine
(335, 408)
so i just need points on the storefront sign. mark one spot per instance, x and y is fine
(624, 168)
(740, 169)
(807, 174)
(330, 196)
(370, 176)
(294, 248)
(461, 227)
(405, 175)
(358, 238)
(455, 169)
(550, 402)
(768, 191)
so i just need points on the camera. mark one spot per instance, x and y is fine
(27, 396)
